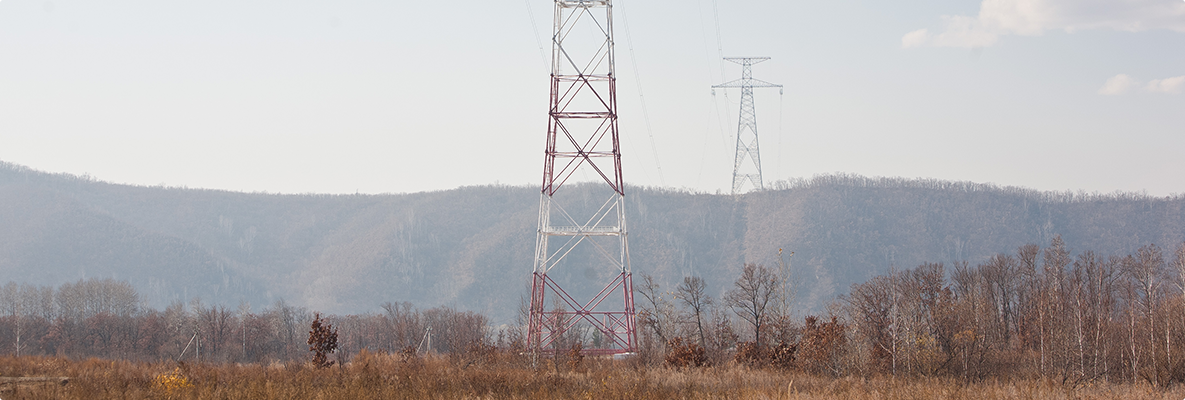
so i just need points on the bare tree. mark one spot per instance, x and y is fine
(14, 306)
(754, 290)
(658, 313)
(109, 296)
(287, 323)
(42, 303)
(1027, 312)
(872, 304)
(1145, 272)
(1175, 307)
(693, 293)
(922, 306)
(1094, 286)
(1179, 268)
(407, 328)
(976, 313)
(215, 324)
(1053, 304)
(69, 300)
(1002, 275)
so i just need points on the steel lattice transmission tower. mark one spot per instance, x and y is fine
(747, 146)
(573, 231)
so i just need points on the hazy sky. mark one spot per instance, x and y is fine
(400, 96)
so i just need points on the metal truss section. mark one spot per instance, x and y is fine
(747, 144)
(582, 141)
(582, 128)
(616, 327)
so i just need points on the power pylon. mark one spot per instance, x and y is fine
(747, 146)
(582, 136)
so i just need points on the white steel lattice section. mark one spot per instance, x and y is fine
(747, 144)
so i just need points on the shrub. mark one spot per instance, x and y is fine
(782, 355)
(171, 384)
(823, 345)
(751, 354)
(685, 354)
(575, 356)
(322, 341)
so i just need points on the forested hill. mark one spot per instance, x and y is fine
(471, 247)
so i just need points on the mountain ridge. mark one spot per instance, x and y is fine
(471, 247)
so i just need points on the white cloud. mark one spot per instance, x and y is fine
(1167, 85)
(961, 31)
(915, 39)
(957, 32)
(1118, 84)
(1033, 17)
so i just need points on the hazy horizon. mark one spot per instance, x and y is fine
(372, 97)
(769, 185)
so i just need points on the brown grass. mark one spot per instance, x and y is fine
(372, 376)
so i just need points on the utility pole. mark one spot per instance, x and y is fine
(747, 146)
(582, 136)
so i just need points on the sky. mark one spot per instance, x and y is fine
(396, 96)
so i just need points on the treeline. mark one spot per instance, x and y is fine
(108, 319)
(860, 181)
(1038, 313)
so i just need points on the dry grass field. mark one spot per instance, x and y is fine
(378, 376)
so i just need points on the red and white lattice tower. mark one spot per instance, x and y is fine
(582, 243)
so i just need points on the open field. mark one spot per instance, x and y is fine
(394, 377)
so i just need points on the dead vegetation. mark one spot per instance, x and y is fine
(501, 375)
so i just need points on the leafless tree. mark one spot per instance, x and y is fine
(14, 305)
(109, 296)
(1052, 305)
(1002, 276)
(922, 306)
(1179, 268)
(871, 308)
(693, 293)
(657, 312)
(288, 321)
(42, 304)
(1027, 312)
(978, 314)
(68, 299)
(215, 323)
(1145, 272)
(751, 296)
(406, 327)
(454, 331)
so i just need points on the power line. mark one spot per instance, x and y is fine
(629, 41)
(720, 49)
(711, 103)
(719, 40)
(535, 28)
(781, 107)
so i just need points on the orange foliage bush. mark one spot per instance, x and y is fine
(685, 354)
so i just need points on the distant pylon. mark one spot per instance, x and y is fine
(582, 136)
(747, 146)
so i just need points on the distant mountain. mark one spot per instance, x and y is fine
(472, 247)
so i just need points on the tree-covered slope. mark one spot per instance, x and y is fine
(472, 247)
